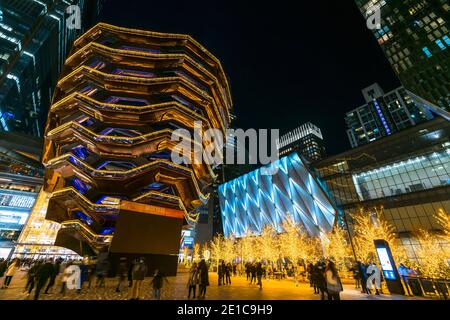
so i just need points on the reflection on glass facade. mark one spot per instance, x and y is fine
(34, 41)
(254, 200)
(420, 173)
(414, 35)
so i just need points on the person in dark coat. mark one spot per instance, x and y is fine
(253, 273)
(259, 272)
(55, 273)
(157, 284)
(31, 276)
(139, 272)
(3, 267)
(43, 274)
(130, 273)
(228, 271)
(204, 279)
(122, 272)
(221, 272)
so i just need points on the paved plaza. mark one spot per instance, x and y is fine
(176, 289)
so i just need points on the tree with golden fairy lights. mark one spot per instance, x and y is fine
(338, 248)
(433, 258)
(370, 226)
(266, 245)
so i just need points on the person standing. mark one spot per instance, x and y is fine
(247, 270)
(404, 273)
(228, 270)
(193, 280)
(333, 281)
(204, 279)
(157, 284)
(220, 272)
(10, 272)
(356, 276)
(138, 275)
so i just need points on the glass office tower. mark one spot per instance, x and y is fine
(35, 37)
(415, 36)
(21, 177)
(383, 114)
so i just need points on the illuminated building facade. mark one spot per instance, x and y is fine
(306, 139)
(407, 173)
(108, 143)
(383, 114)
(34, 41)
(254, 200)
(415, 37)
(21, 177)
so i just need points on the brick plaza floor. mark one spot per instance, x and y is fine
(240, 289)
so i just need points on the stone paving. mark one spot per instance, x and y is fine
(176, 289)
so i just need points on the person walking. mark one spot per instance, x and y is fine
(43, 274)
(130, 273)
(122, 272)
(10, 272)
(193, 280)
(55, 273)
(259, 272)
(138, 275)
(333, 281)
(253, 273)
(31, 277)
(66, 274)
(204, 279)
(157, 284)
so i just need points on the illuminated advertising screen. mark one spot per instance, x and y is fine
(386, 265)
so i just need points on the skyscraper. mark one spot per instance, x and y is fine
(415, 36)
(306, 140)
(21, 177)
(383, 114)
(35, 37)
(113, 185)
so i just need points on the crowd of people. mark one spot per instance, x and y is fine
(52, 276)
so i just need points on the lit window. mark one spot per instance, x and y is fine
(440, 44)
(427, 52)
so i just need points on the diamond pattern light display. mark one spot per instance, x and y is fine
(254, 200)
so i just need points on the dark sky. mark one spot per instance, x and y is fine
(289, 62)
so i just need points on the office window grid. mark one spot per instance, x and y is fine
(424, 172)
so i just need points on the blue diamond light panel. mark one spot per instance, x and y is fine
(254, 200)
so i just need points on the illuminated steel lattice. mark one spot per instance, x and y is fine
(108, 136)
(254, 200)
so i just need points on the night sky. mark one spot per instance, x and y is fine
(288, 62)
